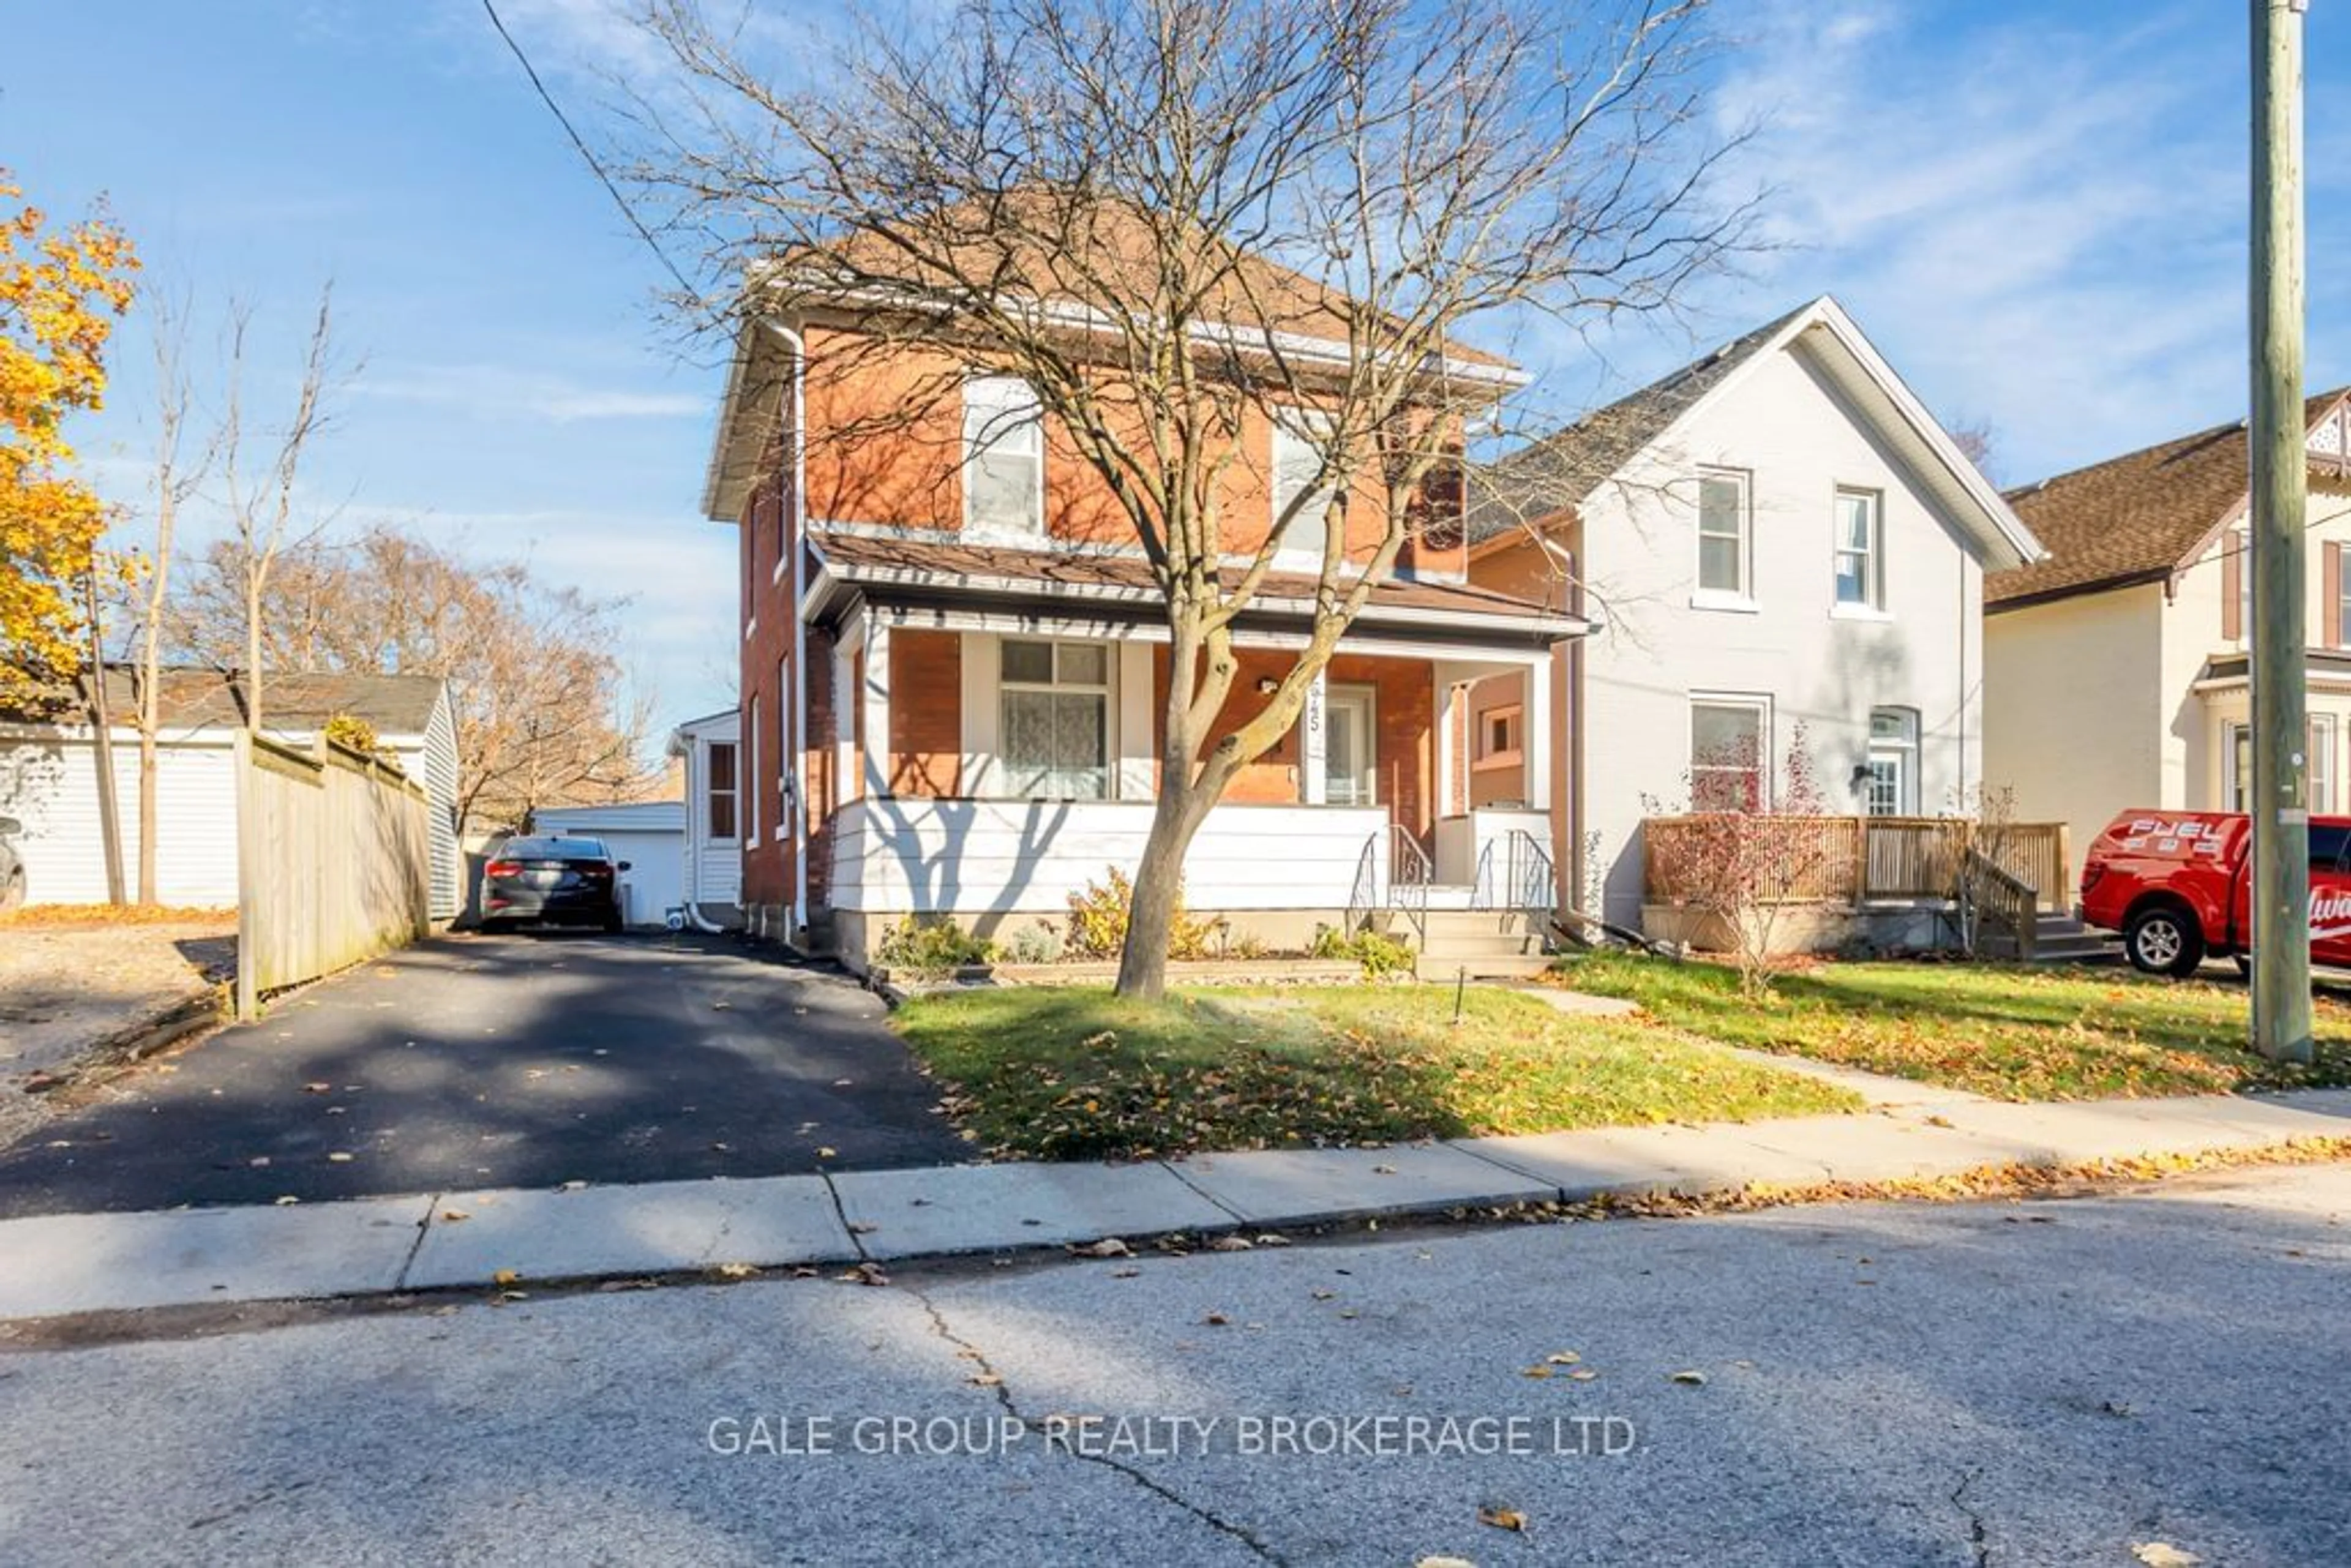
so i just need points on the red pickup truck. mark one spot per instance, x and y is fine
(2174, 884)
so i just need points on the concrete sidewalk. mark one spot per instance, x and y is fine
(60, 1264)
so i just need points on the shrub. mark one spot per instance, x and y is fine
(1098, 919)
(931, 947)
(1038, 944)
(1380, 953)
(353, 733)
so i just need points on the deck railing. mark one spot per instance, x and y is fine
(1854, 860)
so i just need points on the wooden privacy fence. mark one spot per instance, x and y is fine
(333, 862)
(1852, 859)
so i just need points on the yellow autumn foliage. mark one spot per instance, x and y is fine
(61, 290)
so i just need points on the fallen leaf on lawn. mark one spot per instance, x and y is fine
(1502, 1518)
(1696, 1379)
(1215, 1320)
(452, 1216)
(1563, 1358)
(735, 1270)
(2163, 1555)
(505, 1277)
(1536, 1372)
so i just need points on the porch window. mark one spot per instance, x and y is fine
(1300, 438)
(718, 790)
(1054, 722)
(1722, 533)
(1003, 456)
(1891, 781)
(1859, 552)
(1730, 740)
(1500, 736)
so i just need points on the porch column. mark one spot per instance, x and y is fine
(844, 711)
(876, 698)
(1537, 734)
(1313, 774)
(1451, 800)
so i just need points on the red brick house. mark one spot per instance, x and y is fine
(954, 665)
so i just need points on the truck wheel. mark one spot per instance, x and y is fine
(2164, 940)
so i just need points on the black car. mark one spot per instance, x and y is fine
(561, 881)
(11, 865)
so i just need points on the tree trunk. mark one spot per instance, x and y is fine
(147, 813)
(1158, 881)
(110, 806)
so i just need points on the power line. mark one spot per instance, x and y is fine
(586, 154)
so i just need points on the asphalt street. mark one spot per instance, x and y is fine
(2082, 1381)
(510, 1060)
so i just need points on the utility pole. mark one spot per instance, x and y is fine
(2281, 793)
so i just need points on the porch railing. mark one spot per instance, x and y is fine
(1393, 873)
(1853, 860)
(1514, 871)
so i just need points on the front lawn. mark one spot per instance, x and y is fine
(1052, 1073)
(2011, 1032)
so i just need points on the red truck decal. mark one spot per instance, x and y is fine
(2173, 884)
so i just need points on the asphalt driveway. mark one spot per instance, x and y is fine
(510, 1060)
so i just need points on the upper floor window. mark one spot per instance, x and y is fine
(1003, 456)
(1302, 438)
(718, 790)
(2341, 588)
(1724, 535)
(1860, 549)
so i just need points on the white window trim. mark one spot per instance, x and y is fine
(1001, 771)
(973, 447)
(1369, 695)
(1290, 557)
(734, 792)
(1767, 747)
(1904, 752)
(2233, 789)
(1872, 607)
(2325, 741)
(747, 811)
(1743, 598)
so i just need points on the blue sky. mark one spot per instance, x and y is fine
(2038, 211)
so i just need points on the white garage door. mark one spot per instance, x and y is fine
(655, 880)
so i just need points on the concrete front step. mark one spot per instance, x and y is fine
(1490, 946)
(1498, 966)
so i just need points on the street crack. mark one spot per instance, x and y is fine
(1979, 1536)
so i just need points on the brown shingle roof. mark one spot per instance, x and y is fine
(1556, 472)
(942, 561)
(2137, 517)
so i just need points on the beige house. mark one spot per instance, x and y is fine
(2115, 670)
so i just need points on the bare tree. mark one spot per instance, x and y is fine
(1179, 220)
(180, 471)
(261, 502)
(536, 677)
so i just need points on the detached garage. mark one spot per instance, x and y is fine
(649, 834)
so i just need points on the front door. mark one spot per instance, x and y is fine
(1347, 749)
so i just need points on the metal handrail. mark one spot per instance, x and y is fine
(1404, 889)
(1528, 880)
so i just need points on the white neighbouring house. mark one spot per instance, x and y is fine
(49, 779)
(2117, 668)
(711, 873)
(1778, 535)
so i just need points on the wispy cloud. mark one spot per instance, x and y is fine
(501, 393)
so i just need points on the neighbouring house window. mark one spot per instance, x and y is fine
(1860, 549)
(2244, 548)
(1730, 748)
(1723, 532)
(1003, 456)
(1054, 723)
(2341, 588)
(1892, 783)
(718, 789)
(1498, 733)
(2321, 762)
(2237, 766)
(1301, 436)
